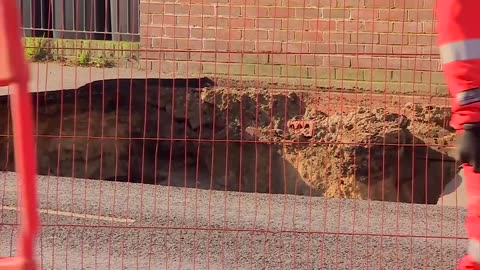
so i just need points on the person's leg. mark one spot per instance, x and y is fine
(472, 223)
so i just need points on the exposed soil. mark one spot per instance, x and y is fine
(243, 140)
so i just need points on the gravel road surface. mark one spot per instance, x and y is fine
(89, 224)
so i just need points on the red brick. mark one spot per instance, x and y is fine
(221, 34)
(393, 39)
(348, 25)
(145, 19)
(242, 23)
(188, 69)
(362, 62)
(430, 50)
(308, 13)
(320, 3)
(408, 4)
(336, 37)
(282, 59)
(295, 47)
(228, 11)
(151, 55)
(390, 63)
(255, 34)
(433, 77)
(309, 36)
(322, 25)
(379, 3)
(378, 49)
(151, 8)
(145, 42)
(163, 20)
(202, 9)
(281, 12)
(242, 2)
(255, 12)
(420, 15)
(364, 14)
(163, 43)
(308, 60)
(429, 4)
(338, 61)
(377, 62)
(293, 3)
(365, 38)
(357, 4)
(176, 9)
(281, 35)
(203, 57)
(406, 76)
(429, 27)
(392, 14)
(229, 34)
(143, 32)
(335, 13)
(268, 46)
(423, 64)
(325, 48)
(350, 48)
(422, 40)
(407, 27)
(228, 58)
(405, 50)
(378, 26)
(215, 22)
(190, 20)
(215, 45)
(187, 44)
(295, 24)
(241, 46)
(204, 2)
(267, 2)
(161, 66)
(177, 32)
(268, 23)
(176, 56)
(255, 58)
(200, 33)
(153, 31)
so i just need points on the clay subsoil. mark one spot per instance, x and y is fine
(196, 134)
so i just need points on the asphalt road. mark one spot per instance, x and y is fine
(107, 225)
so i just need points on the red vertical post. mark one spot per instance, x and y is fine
(14, 72)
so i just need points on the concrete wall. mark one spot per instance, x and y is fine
(371, 44)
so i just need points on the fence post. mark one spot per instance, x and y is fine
(14, 72)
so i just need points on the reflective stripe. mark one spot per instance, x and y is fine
(460, 50)
(474, 250)
(469, 96)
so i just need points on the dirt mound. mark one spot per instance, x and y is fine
(248, 140)
(376, 154)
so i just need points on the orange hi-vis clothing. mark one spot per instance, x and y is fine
(459, 44)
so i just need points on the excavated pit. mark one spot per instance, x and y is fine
(197, 135)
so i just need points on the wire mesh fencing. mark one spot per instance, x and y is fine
(262, 134)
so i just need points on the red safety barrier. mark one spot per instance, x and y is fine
(14, 73)
(238, 134)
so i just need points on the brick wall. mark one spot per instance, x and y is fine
(379, 44)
